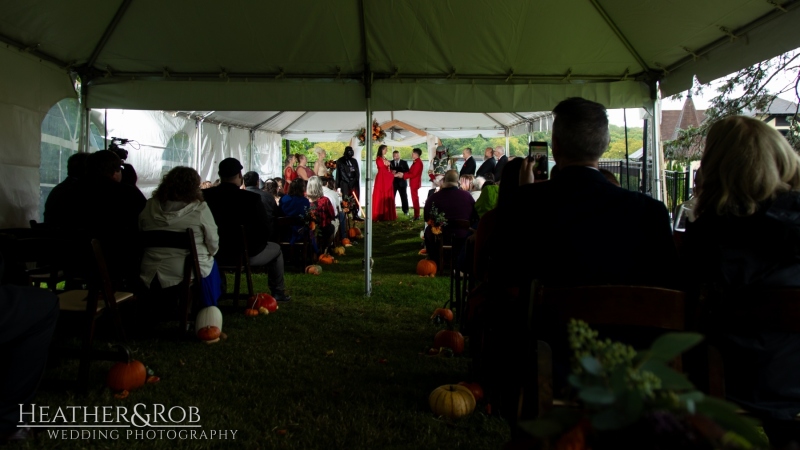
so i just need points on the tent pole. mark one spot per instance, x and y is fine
(507, 133)
(368, 201)
(197, 144)
(657, 154)
(252, 153)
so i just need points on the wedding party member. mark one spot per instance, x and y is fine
(414, 177)
(440, 163)
(233, 208)
(398, 165)
(502, 159)
(746, 238)
(319, 165)
(303, 171)
(469, 163)
(289, 172)
(383, 207)
(324, 211)
(487, 167)
(348, 178)
(177, 204)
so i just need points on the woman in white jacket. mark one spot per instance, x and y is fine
(177, 204)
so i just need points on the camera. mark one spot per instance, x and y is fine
(115, 147)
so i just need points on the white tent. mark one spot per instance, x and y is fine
(360, 55)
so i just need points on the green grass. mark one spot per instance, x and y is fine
(333, 368)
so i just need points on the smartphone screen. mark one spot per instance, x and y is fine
(538, 151)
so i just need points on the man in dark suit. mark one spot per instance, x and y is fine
(398, 165)
(348, 178)
(502, 159)
(469, 163)
(59, 197)
(251, 182)
(233, 207)
(488, 163)
(582, 211)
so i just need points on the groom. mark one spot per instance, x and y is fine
(414, 175)
(399, 166)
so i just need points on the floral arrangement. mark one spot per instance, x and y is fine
(330, 164)
(378, 134)
(347, 202)
(310, 219)
(437, 221)
(635, 397)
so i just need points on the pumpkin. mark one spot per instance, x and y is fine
(354, 233)
(475, 388)
(338, 251)
(326, 259)
(210, 316)
(263, 311)
(426, 268)
(346, 242)
(126, 376)
(314, 269)
(262, 300)
(442, 314)
(449, 339)
(208, 333)
(250, 312)
(451, 401)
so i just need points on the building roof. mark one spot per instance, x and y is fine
(778, 107)
(673, 120)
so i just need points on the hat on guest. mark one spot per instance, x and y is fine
(450, 179)
(229, 167)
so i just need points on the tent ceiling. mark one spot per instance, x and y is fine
(471, 55)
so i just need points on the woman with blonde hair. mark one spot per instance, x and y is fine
(465, 182)
(319, 165)
(746, 238)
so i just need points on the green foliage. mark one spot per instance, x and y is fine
(618, 386)
(741, 93)
(616, 147)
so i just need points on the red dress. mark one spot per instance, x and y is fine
(383, 193)
(289, 174)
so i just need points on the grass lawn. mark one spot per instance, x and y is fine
(331, 369)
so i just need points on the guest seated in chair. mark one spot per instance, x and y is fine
(324, 212)
(747, 236)
(295, 204)
(455, 204)
(233, 208)
(177, 204)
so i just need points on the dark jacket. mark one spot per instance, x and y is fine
(498, 168)
(579, 229)
(233, 207)
(486, 167)
(268, 200)
(730, 255)
(455, 204)
(293, 206)
(347, 175)
(402, 167)
(468, 168)
(55, 211)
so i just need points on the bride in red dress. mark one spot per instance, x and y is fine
(383, 192)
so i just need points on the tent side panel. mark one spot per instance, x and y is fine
(28, 88)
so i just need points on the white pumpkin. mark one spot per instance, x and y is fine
(209, 316)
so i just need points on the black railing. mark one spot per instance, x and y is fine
(629, 174)
(677, 188)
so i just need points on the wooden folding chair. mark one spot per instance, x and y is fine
(87, 303)
(190, 289)
(234, 258)
(447, 242)
(303, 243)
(626, 307)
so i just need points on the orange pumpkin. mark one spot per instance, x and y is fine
(250, 312)
(449, 339)
(443, 314)
(354, 233)
(346, 242)
(326, 259)
(451, 401)
(126, 376)
(208, 333)
(314, 269)
(426, 268)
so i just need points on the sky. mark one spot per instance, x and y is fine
(635, 115)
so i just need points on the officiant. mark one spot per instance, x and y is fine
(398, 165)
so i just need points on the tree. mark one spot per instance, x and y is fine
(742, 92)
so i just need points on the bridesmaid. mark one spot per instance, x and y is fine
(319, 166)
(383, 207)
(302, 167)
(289, 174)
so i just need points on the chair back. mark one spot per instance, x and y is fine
(232, 246)
(183, 240)
(286, 226)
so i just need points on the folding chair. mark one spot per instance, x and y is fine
(190, 289)
(303, 242)
(447, 242)
(86, 303)
(638, 307)
(232, 257)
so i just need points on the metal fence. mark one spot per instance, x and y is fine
(677, 188)
(628, 173)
